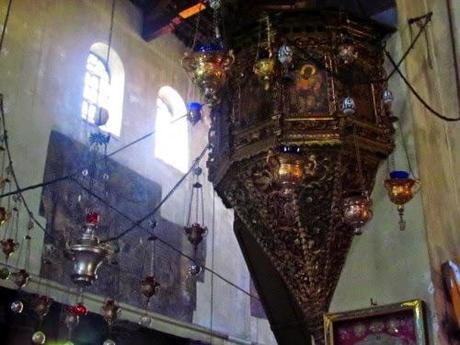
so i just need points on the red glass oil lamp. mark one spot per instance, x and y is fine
(78, 310)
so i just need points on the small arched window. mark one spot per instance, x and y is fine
(171, 132)
(104, 88)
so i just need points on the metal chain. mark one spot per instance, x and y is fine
(197, 26)
(358, 158)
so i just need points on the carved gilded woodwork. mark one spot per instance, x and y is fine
(301, 228)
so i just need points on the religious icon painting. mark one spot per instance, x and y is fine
(395, 324)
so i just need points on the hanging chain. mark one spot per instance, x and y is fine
(259, 41)
(109, 48)
(406, 152)
(197, 27)
(5, 24)
(190, 206)
(358, 158)
(269, 34)
(216, 24)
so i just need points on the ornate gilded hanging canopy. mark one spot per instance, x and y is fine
(295, 153)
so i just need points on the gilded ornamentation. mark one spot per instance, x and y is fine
(208, 70)
(264, 69)
(292, 202)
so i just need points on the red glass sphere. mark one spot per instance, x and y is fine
(78, 310)
(93, 218)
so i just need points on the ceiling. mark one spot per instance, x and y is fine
(162, 16)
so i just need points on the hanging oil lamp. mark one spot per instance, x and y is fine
(194, 112)
(42, 305)
(346, 51)
(102, 117)
(208, 64)
(9, 246)
(39, 338)
(357, 208)
(4, 181)
(264, 66)
(357, 211)
(196, 233)
(4, 273)
(110, 311)
(71, 321)
(88, 253)
(290, 172)
(79, 309)
(149, 287)
(17, 307)
(401, 189)
(145, 320)
(20, 278)
(4, 215)
(285, 54)
(348, 106)
(208, 67)
(195, 229)
(387, 97)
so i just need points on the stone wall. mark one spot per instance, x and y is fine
(385, 264)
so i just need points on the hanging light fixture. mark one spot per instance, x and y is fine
(17, 307)
(357, 208)
(346, 51)
(110, 311)
(208, 64)
(401, 189)
(20, 278)
(39, 338)
(5, 181)
(88, 253)
(150, 286)
(387, 98)
(41, 305)
(71, 321)
(195, 229)
(10, 243)
(288, 166)
(315, 194)
(285, 54)
(194, 112)
(357, 211)
(9, 246)
(264, 66)
(348, 106)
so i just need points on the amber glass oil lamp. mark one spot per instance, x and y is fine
(401, 189)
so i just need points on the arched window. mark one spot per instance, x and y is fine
(171, 132)
(104, 87)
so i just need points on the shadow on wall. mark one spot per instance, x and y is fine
(63, 205)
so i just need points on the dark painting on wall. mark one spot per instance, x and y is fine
(64, 204)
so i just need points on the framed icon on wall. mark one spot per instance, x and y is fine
(395, 324)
